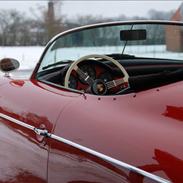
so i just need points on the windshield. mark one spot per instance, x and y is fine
(140, 40)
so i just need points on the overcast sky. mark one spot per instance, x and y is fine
(104, 8)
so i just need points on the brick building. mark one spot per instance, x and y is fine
(174, 34)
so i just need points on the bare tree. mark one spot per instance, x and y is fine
(18, 29)
(11, 27)
(160, 15)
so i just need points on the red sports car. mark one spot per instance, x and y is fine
(103, 105)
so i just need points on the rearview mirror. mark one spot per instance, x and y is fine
(8, 64)
(133, 35)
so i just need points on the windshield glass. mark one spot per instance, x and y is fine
(140, 40)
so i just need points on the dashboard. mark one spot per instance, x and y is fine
(96, 71)
(144, 74)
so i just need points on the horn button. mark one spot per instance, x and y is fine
(99, 87)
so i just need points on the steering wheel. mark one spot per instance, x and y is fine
(98, 86)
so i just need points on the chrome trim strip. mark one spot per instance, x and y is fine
(16, 121)
(109, 159)
(90, 151)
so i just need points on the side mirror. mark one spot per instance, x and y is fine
(8, 64)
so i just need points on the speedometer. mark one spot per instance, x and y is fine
(106, 76)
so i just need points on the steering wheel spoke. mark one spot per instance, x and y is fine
(84, 75)
(115, 83)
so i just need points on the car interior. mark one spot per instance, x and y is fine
(144, 74)
(114, 73)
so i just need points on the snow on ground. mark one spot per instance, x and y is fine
(27, 56)
(151, 51)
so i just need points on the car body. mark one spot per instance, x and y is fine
(93, 113)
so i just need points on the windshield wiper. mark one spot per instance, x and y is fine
(57, 63)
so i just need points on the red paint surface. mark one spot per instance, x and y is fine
(23, 154)
(144, 130)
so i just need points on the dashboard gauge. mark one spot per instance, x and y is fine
(106, 76)
(89, 70)
(72, 82)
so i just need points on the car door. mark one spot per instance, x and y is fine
(71, 163)
(25, 108)
(134, 129)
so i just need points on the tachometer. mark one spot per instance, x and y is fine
(106, 76)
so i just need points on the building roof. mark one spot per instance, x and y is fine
(178, 15)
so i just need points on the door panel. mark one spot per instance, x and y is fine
(143, 130)
(23, 154)
(71, 165)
